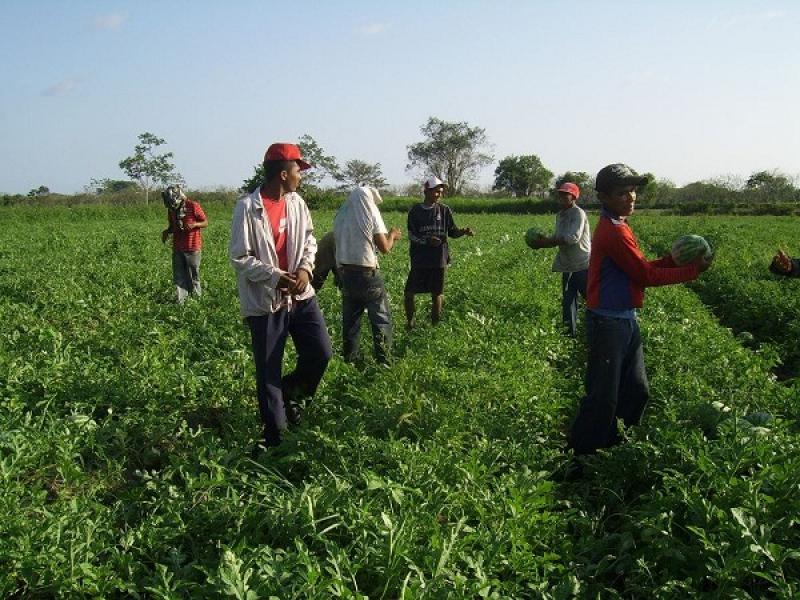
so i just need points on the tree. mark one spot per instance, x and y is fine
(322, 164)
(450, 151)
(522, 176)
(42, 190)
(358, 172)
(769, 186)
(655, 192)
(108, 186)
(147, 168)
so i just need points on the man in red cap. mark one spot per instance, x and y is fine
(573, 237)
(272, 249)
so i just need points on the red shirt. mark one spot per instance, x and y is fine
(619, 272)
(275, 208)
(185, 240)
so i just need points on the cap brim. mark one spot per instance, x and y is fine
(303, 164)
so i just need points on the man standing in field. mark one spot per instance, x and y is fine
(430, 223)
(616, 382)
(359, 230)
(185, 219)
(573, 238)
(272, 249)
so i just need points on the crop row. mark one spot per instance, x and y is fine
(128, 423)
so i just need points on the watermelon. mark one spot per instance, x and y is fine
(688, 247)
(533, 234)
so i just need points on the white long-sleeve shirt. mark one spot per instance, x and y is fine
(255, 259)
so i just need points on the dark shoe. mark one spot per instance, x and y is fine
(262, 448)
(293, 414)
(570, 471)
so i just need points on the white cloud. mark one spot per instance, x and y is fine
(109, 22)
(62, 88)
(372, 29)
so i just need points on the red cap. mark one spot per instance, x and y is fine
(286, 152)
(570, 188)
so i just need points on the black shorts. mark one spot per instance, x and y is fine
(423, 281)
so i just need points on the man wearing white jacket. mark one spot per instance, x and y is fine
(272, 249)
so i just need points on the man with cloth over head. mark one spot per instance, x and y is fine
(359, 230)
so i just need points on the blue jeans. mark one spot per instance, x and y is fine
(186, 274)
(572, 284)
(616, 383)
(364, 290)
(305, 323)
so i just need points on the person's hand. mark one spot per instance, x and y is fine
(301, 279)
(703, 263)
(395, 233)
(164, 235)
(286, 282)
(435, 241)
(468, 231)
(782, 262)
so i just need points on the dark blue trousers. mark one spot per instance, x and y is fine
(306, 325)
(572, 284)
(365, 291)
(616, 383)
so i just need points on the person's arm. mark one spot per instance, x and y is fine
(169, 230)
(200, 220)
(783, 264)
(385, 241)
(452, 230)
(628, 257)
(242, 252)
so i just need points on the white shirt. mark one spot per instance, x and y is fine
(355, 226)
(253, 255)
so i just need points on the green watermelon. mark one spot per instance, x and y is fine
(688, 247)
(533, 234)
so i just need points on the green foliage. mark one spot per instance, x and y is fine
(147, 168)
(42, 190)
(358, 172)
(522, 176)
(453, 152)
(128, 423)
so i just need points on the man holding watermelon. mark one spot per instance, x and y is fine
(616, 381)
(573, 238)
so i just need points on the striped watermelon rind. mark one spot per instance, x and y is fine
(688, 247)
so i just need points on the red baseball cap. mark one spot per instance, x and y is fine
(282, 151)
(570, 188)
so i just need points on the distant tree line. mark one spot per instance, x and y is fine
(456, 152)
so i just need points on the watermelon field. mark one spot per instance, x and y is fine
(128, 422)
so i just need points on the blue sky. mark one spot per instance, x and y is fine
(686, 90)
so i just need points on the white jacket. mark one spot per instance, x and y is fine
(253, 255)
